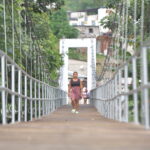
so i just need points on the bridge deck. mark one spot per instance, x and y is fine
(62, 130)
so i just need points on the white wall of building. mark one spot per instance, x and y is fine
(85, 31)
(102, 12)
(84, 19)
(77, 14)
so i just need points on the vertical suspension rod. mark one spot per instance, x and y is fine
(5, 25)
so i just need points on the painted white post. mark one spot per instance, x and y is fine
(90, 43)
(19, 91)
(25, 104)
(3, 91)
(64, 70)
(35, 101)
(39, 96)
(145, 92)
(31, 104)
(13, 90)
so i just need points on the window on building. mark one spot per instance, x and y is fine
(90, 30)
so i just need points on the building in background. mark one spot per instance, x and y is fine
(88, 24)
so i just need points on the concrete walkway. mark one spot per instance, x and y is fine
(63, 130)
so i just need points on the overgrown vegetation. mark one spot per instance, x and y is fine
(38, 27)
(60, 25)
(76, 5)
(36, 40)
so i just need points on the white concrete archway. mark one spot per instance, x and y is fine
(90, 44)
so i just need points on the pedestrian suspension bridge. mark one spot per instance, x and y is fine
(36, 115)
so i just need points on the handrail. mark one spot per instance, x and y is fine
(17, 66)
(112, 98)
(28, 97)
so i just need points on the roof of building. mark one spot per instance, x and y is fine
(89, 10)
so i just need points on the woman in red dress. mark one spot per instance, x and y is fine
(75, 88)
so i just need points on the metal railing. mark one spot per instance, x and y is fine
(23, 97)
(119, 100)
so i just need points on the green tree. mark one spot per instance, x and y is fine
(36, 35)
(75, 5)
(60, 25)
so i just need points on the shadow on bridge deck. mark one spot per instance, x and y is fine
(63, 130)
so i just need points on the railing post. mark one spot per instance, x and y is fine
(52, 102)
(126, 97)
(45, 107)
(59, 98)
(52, 99)
(116, 100)
(134, 69)
(112, 101)
(115, 104)
(107, 97)
(110, 96)
(113, 95)
(35, 101)
(54, 96)
(25, 105)
(50, 94)
(57, 101)
(103, 102)
(46, 96)
(108, 102)
(42, 99)
(120, 98)
(31, 111)
(13, 90)
(39, 96)
(3, 91)
(145, 98)
(19, 91)
(96, 96)
(49, 99)
(98, 99)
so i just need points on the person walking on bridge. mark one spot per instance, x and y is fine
(74, 92)
(85, 94)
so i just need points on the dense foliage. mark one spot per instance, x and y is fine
(112, 20)
(60, 25)
(38, 26)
